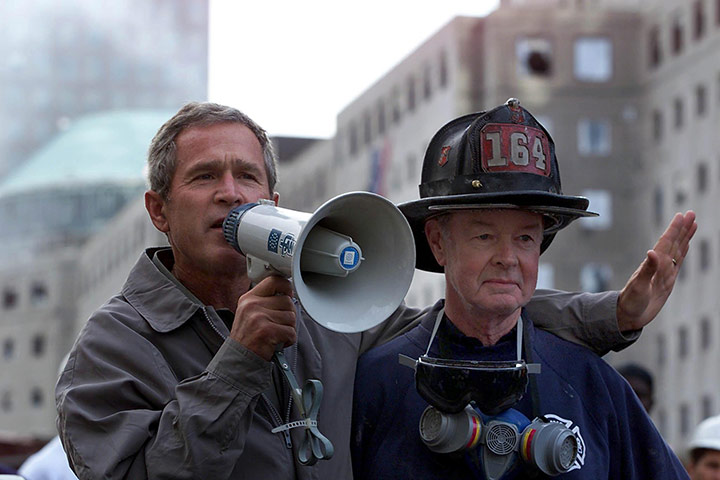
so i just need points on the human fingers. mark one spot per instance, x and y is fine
(273, 285)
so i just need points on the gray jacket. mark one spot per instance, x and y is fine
(153, 388)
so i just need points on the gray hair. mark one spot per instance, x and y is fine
(162, 154)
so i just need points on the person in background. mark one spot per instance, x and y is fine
(704, 450)
(641, 381)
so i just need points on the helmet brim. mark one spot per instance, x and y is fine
(560, 210)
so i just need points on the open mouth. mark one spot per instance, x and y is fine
(217, 224)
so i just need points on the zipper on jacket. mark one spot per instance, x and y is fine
(271, 408)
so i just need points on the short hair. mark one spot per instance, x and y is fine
(696, 454)
(162, 154)
(636, 371)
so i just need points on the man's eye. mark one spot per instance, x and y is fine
(204, 176)
(484, 236)
(527, 238)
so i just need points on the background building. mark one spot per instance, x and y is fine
(60, 60)
(630, 92)
(84, 86)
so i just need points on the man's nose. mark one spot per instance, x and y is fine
(229, 190)
(505, 253)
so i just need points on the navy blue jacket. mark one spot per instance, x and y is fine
(617, 440)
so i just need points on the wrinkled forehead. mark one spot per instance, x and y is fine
(493, 216)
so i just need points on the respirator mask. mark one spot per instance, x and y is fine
(470, 411)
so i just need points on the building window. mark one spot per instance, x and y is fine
(702, 177)
(367, 128)
(593, 59)
(704, 255)
(705, 334)
(700, 100)
(677, 35)
(396, 112)
(655, 47)
(683, 346)
(595, 277)
(381, 117)
(427, 82)
(38, 345)
(659, 206)
(411, 93)
(38, 294)
(10, 299)
(706, 407)
(534, 57)
(657, 125)
(661, 350)
(353, 139)
(443, 69)
(698, 20)
(594, 137)
(600, 202)
(6, 402)
(8, 348)
(678, 109)
(684, 419)
(36, 398)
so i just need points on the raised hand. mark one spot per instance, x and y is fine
(650, 285)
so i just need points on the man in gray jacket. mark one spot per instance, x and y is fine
(172, 378)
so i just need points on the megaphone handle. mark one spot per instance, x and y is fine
(315, 446)
(257, 270)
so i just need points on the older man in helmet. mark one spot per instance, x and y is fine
(704, 462)
(492, 396)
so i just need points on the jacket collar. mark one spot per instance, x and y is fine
(156, 297)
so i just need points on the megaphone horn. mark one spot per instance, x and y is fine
(351, 261)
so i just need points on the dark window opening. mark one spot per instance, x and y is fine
(702, 178)
(705, 334)
(677, 36)
(38, 293)
(704, 255)
(38, 345)
(682, 342)
(700, 100)
(679, 113)
(8, 348)
(657, 123)
(655, 47)
(411, 93)
(698, 20)
(36, 398)
(444, 69)
(10, 299)
(381, 118)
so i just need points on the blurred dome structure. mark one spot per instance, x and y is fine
(69, 188)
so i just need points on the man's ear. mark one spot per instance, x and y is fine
(155, 206)
(434, 235)
(276, 198)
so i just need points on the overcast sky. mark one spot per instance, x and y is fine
(293, 65)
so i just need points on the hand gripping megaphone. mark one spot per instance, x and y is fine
(351, 264)
(351, 261)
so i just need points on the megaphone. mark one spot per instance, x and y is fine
(351, 261)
